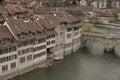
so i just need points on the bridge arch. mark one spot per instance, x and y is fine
(97, 39)
(95, 46)
(116, 43)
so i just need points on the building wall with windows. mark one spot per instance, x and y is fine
(50, 45)
(76, 40)
(83, 3)
(25, 53)
(100, 4)
(8, 60)
(59, 49)
(40, 54)
(68, 40)
(115, 3)
(50, 41)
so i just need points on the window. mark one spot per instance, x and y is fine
(68, 45)
(22, 60)
(4, 68)
(76, 33)
(69, 29)
(21, 36)
(13, 65)
(39, 33)
(53, 41)
(97, 4)
(61, 33)
(13, 57)
(68, 35)
(2, 41)
(21, 52)
(36, 42)
(29, 50)
(76, 28)
(43, 40)
(39, 55)
(53, 35)
(25, 43)
(102, 4)
(29, 57)
(29, 34)
(12, 49)
(3, 51)
(48, 43)
(9, 58)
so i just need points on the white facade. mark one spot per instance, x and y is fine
(68, 40)
(40, 54)
(83, 3)
(25, 51)
(99, 4)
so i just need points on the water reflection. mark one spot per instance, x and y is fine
(117, 49)
(95, 47)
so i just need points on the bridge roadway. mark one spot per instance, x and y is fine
(99, 34)
(108, 40)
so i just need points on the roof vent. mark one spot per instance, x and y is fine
(26, 20)
(55, 15)
(43, 17)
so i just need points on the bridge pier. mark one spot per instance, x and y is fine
(109, 50)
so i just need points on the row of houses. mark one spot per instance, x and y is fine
(32, 41)
(101, 3)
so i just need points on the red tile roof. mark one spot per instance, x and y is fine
(49, 21)
(7, 36)
(18, 27)
(3, 11)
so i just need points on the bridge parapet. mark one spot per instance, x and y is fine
(108, 40)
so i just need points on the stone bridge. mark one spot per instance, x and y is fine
(108, 40)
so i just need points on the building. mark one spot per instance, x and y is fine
(83, 2)
(106, 3)
(100, 3)
(8, 52)
(71, 27)
(31, 43)
(49, 23)
(115, 3)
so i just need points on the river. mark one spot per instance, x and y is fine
(88, 63)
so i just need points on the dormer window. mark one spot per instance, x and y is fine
(12, 40)
(21, 35)
(2, 41)
(29, 34)
(39, 33)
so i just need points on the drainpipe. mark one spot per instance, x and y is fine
(64, 40)
(72, 39)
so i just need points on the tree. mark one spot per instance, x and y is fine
(88, 27)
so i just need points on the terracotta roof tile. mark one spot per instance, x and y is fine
(49, 21)
(6, 35)
(18, 27)
(3, 11)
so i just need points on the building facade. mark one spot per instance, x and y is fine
(8, 52)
